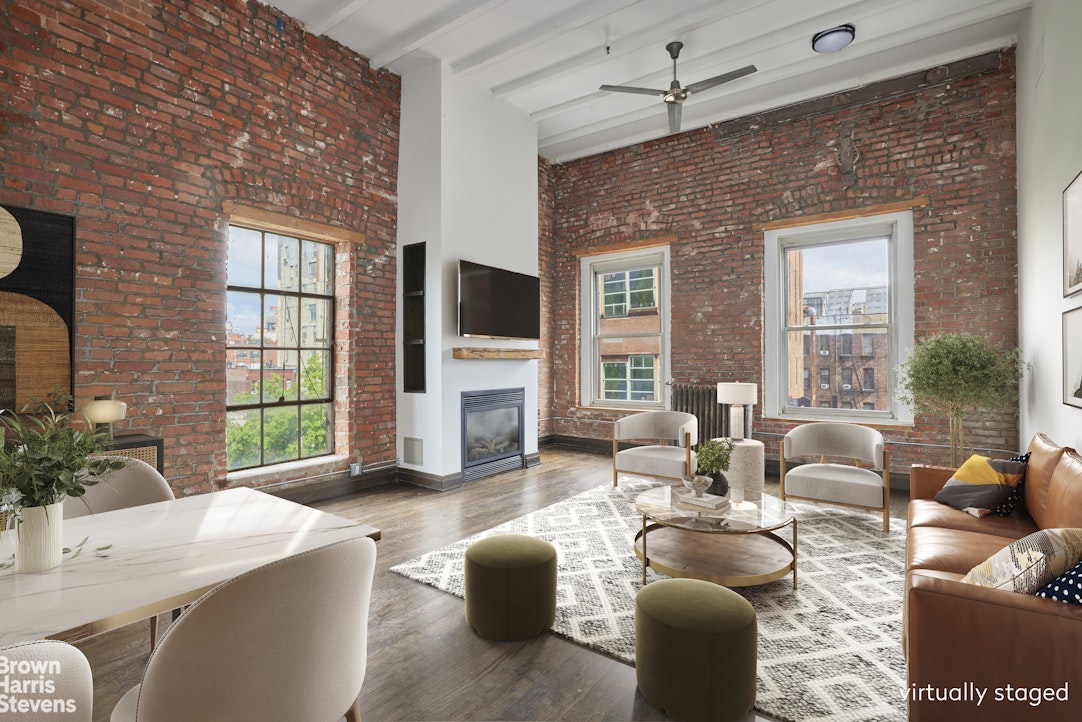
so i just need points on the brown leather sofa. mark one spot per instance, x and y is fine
(960, 639)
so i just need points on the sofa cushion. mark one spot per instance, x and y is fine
(1044, 456)
(949, 550)
(925, 512)
(1031, 562)
(1067, 587)
(981, 484)
(1065, 492)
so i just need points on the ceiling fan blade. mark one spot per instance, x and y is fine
(674, 117)
(719, 79)
(632, 89)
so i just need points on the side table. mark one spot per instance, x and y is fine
(746, 465)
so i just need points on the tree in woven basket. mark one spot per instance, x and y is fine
(959, 375)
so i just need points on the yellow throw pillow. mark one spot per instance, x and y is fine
(981, 484)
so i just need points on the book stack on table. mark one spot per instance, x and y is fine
(712, 502)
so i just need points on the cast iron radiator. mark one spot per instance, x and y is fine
(702, 400)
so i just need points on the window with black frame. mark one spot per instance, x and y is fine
(279, 341)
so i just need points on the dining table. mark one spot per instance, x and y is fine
(131, 564)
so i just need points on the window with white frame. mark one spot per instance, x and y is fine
(625, 326)
(833, 289)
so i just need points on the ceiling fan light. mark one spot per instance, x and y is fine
(834, 39)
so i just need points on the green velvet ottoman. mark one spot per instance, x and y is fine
(510, 586)
(695, 650)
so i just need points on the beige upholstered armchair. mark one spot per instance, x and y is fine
(846, 484)
(672, 461)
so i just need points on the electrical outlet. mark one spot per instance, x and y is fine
(356, 468)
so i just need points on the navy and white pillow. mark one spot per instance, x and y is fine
(1067, 587)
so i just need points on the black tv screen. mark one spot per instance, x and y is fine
(495, 303)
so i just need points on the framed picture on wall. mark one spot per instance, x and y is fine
(1072, 357)
(37, 295)
(1072, 237)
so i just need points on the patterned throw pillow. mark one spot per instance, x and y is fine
(981, 484)
(1067, 587)
(1029, 563)
(1009, 504)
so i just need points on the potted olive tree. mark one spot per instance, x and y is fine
(713, 459)
(958, 375)
(44, 458)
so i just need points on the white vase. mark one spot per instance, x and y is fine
(39, 543)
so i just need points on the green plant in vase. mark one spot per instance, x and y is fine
(959, 375)
(713, 458)
(43, 460)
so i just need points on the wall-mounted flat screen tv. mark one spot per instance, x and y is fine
(494, 303)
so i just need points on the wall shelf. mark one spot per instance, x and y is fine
(472, 352)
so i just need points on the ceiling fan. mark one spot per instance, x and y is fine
(676, 95)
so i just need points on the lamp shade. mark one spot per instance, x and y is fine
(104, 411)
(737, 393)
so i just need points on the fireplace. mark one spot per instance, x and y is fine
(492, 432)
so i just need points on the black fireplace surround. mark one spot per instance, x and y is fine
(492, 432)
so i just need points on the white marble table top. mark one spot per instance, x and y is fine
(160, 557)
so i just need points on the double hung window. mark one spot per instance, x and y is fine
(839, 302)
(625, 328)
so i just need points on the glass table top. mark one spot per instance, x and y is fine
(750, 511)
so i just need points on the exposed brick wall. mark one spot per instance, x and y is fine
(952, 142)
(545, 253)
(140, 119)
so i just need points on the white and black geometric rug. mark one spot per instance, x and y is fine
(830, 650)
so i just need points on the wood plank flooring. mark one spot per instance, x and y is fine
(424, 663)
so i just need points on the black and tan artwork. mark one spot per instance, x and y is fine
(37, 287)
(1072, 237)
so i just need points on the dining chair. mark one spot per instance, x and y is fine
(61, 665)
(846, 484)
(673, 460)
(284, 642)
(134, 484)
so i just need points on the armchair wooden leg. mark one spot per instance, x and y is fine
(353, 714)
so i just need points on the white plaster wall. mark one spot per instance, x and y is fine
(419, 218)
(467, 187)
(1049, 156)
(489, 177)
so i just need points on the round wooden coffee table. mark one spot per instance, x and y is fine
(736, 547)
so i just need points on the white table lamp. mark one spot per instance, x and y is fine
(105, 411)
(737, 395)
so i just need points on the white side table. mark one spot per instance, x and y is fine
(746, 465)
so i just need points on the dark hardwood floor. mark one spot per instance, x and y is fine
(424, 663)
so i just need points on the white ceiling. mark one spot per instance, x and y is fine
(548, 57)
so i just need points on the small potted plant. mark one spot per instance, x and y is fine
(713, 459)
(44, 458)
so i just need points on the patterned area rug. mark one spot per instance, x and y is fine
(831, 650)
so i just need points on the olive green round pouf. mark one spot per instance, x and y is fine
(695, 650)
(510, 586)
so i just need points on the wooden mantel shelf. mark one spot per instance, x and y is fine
(467, 352)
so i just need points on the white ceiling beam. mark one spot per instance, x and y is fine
(538, 33)
(325, 18)
(434, 27)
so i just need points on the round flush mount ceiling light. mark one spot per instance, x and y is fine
(829, 41)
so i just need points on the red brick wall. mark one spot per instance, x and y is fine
(545, 251)
(951, 142)
(140, 119)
